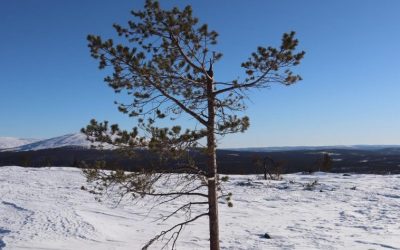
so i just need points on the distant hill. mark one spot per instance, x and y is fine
(77, 140)
(69, 150)
(12, 142)
(229, 162)
(298, 148)
(69, 140)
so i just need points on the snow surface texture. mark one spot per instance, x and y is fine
(46, 209)
(12, 142)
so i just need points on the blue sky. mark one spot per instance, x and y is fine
(50, 85)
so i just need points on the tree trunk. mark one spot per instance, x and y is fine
(212, 170)
(265, 171)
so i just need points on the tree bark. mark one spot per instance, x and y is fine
(212, 169)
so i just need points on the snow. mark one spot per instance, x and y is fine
(69, 140)
(12, 142)
(77, 140)
(44, 208)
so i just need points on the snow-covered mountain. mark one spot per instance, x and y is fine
(12, 142)
(69, 140)
(79, 140)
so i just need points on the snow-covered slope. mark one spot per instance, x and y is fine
(69, 140)
(78, 140)
(12, 142)
(46, 209)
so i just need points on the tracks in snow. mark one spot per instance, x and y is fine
(47, 212)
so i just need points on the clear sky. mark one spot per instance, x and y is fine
(49, 84)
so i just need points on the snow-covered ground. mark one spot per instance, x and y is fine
(46, 209)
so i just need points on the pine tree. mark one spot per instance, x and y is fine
(164, 61)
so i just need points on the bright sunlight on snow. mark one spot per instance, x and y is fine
(45, 208)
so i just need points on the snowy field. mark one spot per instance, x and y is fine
(46, 209)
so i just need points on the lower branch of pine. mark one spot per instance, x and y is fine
(175, 234)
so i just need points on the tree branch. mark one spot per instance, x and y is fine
(177, 102)
(145, 247)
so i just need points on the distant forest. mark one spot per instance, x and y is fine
(383, 161)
